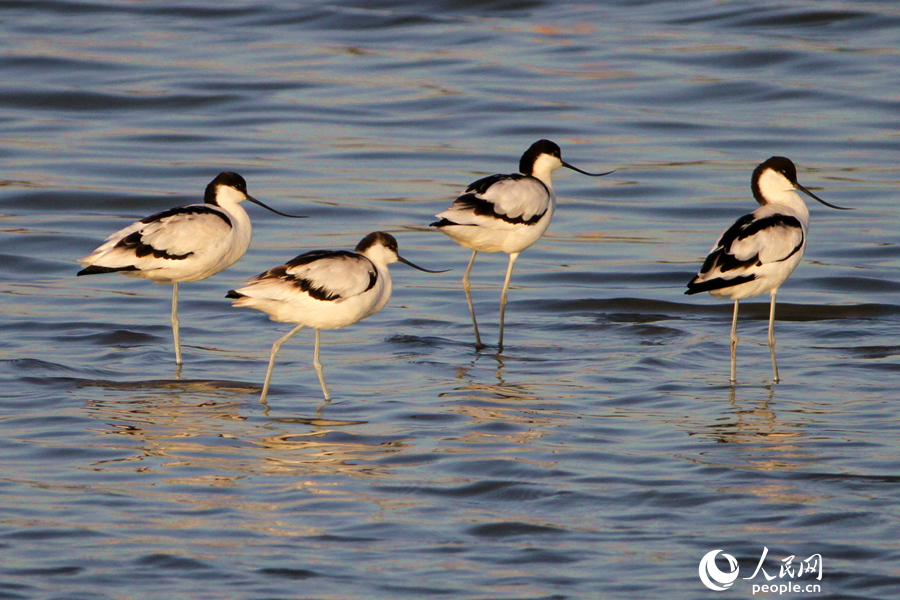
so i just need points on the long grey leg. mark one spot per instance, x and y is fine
(467, 288)
(503, 295)
(772, 336)
(175, 323)
(275, 348)
(734, 341)
(319, 371)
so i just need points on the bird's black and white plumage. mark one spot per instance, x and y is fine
(760, 250)
(324, 289)
(182, 244)
(505, 213)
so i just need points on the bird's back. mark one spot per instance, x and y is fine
(187, 243)
(755, 255)
(320, 289)
(500, 213)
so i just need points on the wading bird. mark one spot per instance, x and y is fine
(182, 244)
(760, 250)
(505, 213)
(324, 289)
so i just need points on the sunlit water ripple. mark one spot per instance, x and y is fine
(601, 455)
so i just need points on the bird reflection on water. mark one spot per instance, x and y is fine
(768, 439)
(503, 409)
(205, 425)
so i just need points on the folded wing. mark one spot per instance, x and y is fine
(746, 248)
(171, 235)
(511, 199)
(320, 274)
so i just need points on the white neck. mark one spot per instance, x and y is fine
(381, 256)
(777, 189)
(228, 197)
(543, 167)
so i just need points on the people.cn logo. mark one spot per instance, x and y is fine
(712, 577)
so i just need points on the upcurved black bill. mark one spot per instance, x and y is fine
(814, 197)
(277, 212)
(406, 262)
(568, 166)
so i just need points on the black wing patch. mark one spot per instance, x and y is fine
(482, 185)
(744, 228)
(472, 200)
(772, 222)
(721, 257)
(695, 287)
(445, 223)
(724, 247)
(192, 209)
(95, 270)
(485, 208)
(306, 285)
(135, 241)
(314, 255)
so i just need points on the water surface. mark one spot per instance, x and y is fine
(601, 455)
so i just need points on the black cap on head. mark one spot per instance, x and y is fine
(235, 181)
(526, 163)
(389, 242)
(777, 163)
(786, 167)
(225, 178)
(783, 165)
(377, 238)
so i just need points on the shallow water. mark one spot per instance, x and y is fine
(602, 455)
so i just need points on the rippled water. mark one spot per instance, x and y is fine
(602, 455)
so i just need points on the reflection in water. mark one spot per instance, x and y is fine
(266, 408)
(502, 411)
(771, 444)
(537, 475)
(463, 371)
(500, 390)
(195, 424)
(761, 440)
(755, 423)
(210, 387)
